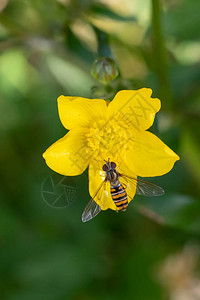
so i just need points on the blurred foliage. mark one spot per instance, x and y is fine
(47, 49)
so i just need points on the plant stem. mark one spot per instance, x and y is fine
(160, 61)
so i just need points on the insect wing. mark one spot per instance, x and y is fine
(92, 208)
(145, 188)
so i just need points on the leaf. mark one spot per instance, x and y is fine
(104, 11)
(70, 76)
(77, 47)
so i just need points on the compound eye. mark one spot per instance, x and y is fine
(105, 167)
(113, 165)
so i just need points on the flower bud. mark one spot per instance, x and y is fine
(104, 70)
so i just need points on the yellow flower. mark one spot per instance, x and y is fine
(100, 131)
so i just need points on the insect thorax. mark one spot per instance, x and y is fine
(113, 177)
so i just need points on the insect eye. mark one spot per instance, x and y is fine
(113, 165)
(105, 167)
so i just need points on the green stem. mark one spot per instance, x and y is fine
(160, 61)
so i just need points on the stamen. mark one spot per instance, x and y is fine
(106, 138)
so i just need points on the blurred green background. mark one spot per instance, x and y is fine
(47, 49)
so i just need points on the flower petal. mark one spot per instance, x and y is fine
(78, 111)
(148, 156)
(69, 156)
(134, 109)
(103, 197)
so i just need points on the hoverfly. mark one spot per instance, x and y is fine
(118, 190)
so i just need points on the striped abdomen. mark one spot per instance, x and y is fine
(119, 196)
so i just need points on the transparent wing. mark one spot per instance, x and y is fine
(145, 188)
(92, 208)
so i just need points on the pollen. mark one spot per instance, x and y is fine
(106, 138)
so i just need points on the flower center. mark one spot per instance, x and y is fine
(106, 139)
